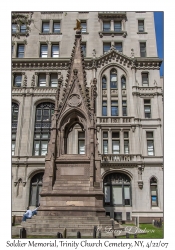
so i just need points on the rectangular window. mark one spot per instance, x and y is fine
(127, 195)
(43, 50)
(83, 47)
(115, 143)
(114, 108)
(83, 26)
(53, 80)
(145, 81)
(45, 27)
(81, 143)
(143, 49)
(42, 80)
(117, 26)
(20, 51)
(117, 195)
(104, 108)
(126, 143)
(128, 217)
(113, 80)
(44, 147)
(106, 47)
(105, 142)
(147, 108)
(124, 108)
(13, 147)
(55, 50)
(18, 80)
(118, 47)
(23, 28)
(154, 201)
(14, 28)
(107, 194)
(140, 25)
(106, 26)
(56, 27)
(150, 143)
(36, 147)
(118, 216)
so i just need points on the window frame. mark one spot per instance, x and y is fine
(141, 20)
(104, 106)
(14, 82)
(153, 183)
(84, 48)
(146, 84)
(121, 47)
(110, 182)
(124, 107)
(83, 30)
(52, 52)
(18, 52)
(105, 139)
(141, 52)
(106, 29)
(39, 80)
(114, 107)
(42, 126)
(45, 22)
(41, 51)
(151, 141)
(115, 139)
(56, 22)
(81, 139)
(118, 30)
(147, 105)
(106, 44)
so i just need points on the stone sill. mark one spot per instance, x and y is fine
(59, 33)
(142, 32)
(112, 33)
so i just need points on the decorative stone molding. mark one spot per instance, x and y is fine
(33, 81)
(25, 81)
(74, 100)
(140, 184)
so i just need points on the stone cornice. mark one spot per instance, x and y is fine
(63, 63)
(112, 15)
(34, 91)
(147, 91)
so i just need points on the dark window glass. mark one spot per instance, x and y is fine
(106, 26)
(104, 108)
(117, 26)
(55, 50)
(17, 80)
(45, 27)
(44, 113)
(56, 27)
(20, 51)
(141, 25)
(104, 82)
(106, 47)
(143, 49)
(118, 46)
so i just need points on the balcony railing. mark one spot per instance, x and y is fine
(112, 14)
(120, 157)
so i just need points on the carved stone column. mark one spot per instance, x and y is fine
(36, 79)
(47, 79)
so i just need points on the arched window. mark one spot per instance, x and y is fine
(35, 189)
(113, 79)
(154, 195)
(117, 190)
(44, 112)
(15, 109)
(104, 82)
(123, 82)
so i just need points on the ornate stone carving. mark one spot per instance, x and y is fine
(74, 100)
(33, 81)
(25, 81)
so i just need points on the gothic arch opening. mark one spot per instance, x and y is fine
(35, 189)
